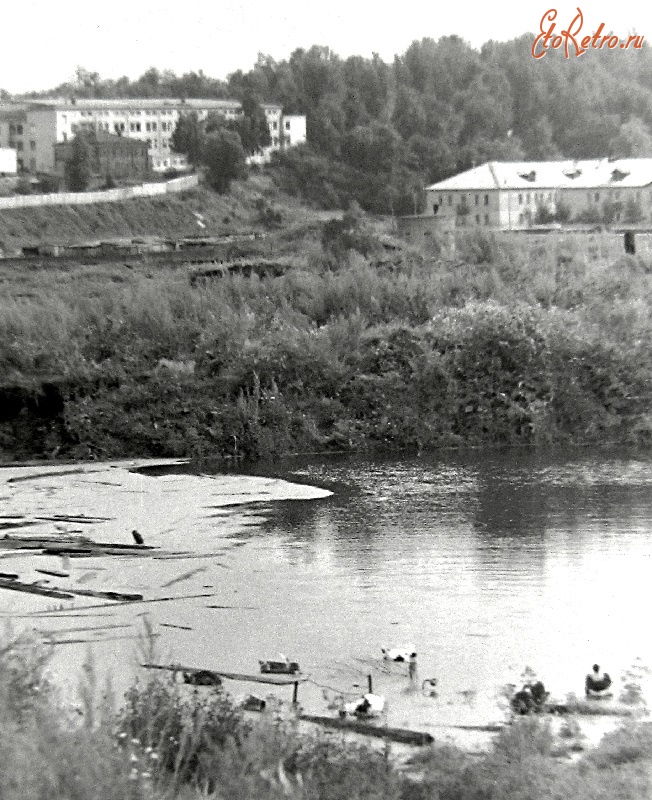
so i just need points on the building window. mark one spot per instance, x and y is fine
(153, 126)
(32, 145)
(477, 219)
(477, 199)
(287, 124)
(597, 197)
(274, 126)
(527, 198)
(520, 199)
(486, 219)
(486, 199)
(450, 199)
(19, 146)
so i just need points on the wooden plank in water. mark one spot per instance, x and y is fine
(403, 735)
(33, 588)
(273, 680)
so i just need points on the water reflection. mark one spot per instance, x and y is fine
(490, 562)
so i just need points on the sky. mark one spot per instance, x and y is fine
(43, 42)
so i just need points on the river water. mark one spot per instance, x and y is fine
(489, 563)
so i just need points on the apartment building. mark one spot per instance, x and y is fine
(33, 128)
(508, 195)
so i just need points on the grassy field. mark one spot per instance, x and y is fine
(363, 343)
(164, 741)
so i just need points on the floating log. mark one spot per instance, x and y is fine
(33, 588)
(55, 572)
(403, 735)
(274, 680)
(9, 576)
(62, 545)
(172, 625)
(124, 597)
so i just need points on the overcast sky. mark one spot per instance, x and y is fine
(43, 41)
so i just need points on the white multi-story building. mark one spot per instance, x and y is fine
(508, 195)
(33, 128)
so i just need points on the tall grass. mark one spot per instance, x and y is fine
(172, 742)
(507, 347)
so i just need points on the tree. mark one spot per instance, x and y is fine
(187, 137)
(252, 127)
(633, 140)
(224, 159)
(78, 166)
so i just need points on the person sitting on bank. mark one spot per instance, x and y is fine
(597, 682)
(531, 698)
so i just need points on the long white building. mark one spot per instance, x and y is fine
(33, 128)
(507, 195)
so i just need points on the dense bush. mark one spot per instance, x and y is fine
(345, 350)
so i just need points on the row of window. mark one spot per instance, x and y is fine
(154, 113)
(539, 197)
(478, 220)
(450, 197)
(612, 195)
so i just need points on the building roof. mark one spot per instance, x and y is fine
(529, 175)
(127, 103)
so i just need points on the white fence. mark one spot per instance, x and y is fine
(107, 196)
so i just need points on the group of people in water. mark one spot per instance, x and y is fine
(533, 696)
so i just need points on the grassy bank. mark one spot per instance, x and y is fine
(356, 347)
(163, 740)
(169, 215)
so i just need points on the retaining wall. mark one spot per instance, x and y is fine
(106, 196)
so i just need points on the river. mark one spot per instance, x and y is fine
(490, 563)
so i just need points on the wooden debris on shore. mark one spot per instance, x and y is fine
(402, 735)
(274, 680)
(597, 707)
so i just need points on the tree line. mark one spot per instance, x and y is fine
(377, 132)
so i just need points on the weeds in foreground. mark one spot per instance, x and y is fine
(172, 742)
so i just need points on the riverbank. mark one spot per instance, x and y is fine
(162, 740)
(361, 345)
